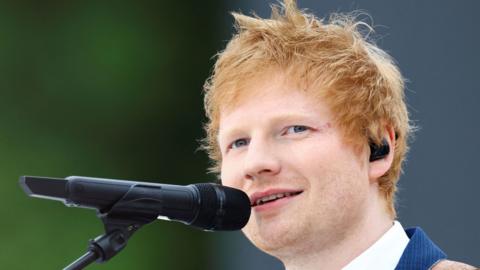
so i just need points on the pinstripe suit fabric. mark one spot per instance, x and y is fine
(421, 253)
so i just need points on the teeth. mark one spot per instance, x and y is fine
(272, 197)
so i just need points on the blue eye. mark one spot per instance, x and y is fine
(297, 129)
(239, 143)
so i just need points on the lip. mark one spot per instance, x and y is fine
(274, 204)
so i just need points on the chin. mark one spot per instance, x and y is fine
(276, 240)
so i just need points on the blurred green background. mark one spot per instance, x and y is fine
(104, 89)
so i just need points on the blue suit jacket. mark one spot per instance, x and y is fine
(421, 253)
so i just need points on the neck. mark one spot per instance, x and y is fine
(364, 233)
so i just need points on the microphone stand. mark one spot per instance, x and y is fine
(120, 224)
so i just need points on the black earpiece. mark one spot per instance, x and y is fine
(379, 151)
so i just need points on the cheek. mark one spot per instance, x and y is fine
(310, 155)
(329, 153)
(229, 175)
(324, 161)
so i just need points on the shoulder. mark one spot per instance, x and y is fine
(452, 265)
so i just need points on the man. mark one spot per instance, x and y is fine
(309, 119)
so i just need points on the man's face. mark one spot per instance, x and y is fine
(280, 146)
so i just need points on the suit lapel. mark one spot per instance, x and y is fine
(421, 253)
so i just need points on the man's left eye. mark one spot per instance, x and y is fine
(296, 129)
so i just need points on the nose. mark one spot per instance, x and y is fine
(262, 160)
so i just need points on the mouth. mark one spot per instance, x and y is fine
(258, 200)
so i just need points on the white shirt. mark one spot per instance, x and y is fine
(383, 254)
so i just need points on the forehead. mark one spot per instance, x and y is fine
(272, 97)
(262, 87)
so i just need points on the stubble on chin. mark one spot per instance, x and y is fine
(280, 237)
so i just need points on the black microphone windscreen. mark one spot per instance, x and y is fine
(237, 209)
(222, 208)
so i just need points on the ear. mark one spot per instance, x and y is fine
(377, 168)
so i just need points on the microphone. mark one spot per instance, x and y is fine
(207, 206)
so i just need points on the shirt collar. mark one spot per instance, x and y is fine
(383, 254)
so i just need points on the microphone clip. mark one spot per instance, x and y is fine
(120, 224)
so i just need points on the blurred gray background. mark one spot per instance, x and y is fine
(436, 44)
(113, 90)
